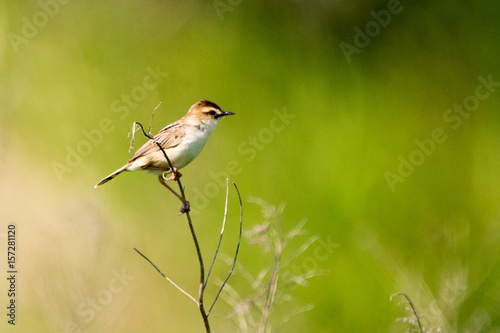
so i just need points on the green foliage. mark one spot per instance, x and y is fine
(312, 129)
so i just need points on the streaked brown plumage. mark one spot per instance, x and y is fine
(182, 140)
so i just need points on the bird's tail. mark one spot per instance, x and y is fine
(111, 176)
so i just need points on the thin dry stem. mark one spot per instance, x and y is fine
(270, 285)
(182, 197)
(167, 278)
(221, 232)
(412, 308)
(152, 118)
(236, 254)
(193, 234)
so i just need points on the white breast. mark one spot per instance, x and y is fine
(192, 145)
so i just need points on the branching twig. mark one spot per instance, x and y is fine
(166, 277)
(202, 269)
(236, 254)
(255, 312)
(193, 234)
(221, 233)
(182, 197)
(185, 209)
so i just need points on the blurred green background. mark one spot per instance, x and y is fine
(342, 137)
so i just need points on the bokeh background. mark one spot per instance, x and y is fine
(324, 130)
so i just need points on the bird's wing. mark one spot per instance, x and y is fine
(169, 137)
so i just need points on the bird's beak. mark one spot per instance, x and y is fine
(226, 113)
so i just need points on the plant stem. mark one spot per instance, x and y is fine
(415, 313)
(191, 228)
(200, 259)
(273, 278)
(198, 252)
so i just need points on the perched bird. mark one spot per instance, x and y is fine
(182, 141)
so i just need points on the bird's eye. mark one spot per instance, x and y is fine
(212, 112)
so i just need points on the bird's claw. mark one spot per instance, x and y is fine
(175, 174)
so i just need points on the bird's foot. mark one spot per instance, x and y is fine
(175, 174)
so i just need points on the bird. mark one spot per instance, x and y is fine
(182, 141)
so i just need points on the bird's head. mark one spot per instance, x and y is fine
(205, 113)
